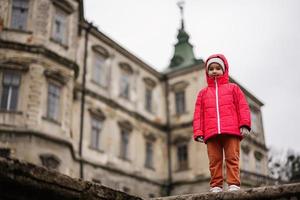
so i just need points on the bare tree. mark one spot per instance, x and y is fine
(284, 165)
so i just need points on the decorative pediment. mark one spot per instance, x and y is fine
(258, 155)
(125, 125)
(97, 112)
(64, 5)
(150, 136)
(126, 67)
(180, 139)
(50, 161)
(14, 65)
(245, 149)
(56, 76)
(100, 50)
(181, 85)
(149, 82)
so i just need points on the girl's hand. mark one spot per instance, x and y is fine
(244, 132)
(200, 139)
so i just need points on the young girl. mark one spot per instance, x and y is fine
(221, 120)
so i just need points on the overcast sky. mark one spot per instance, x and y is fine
(260, 38)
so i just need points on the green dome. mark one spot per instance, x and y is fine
(183, 53)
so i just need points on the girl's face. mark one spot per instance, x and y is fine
(215, 70)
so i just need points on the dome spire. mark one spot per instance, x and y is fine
(180, 4)
(183, 52)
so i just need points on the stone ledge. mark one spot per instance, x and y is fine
(23, 181)
(278, 192)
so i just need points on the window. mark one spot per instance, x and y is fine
(149, 88)
(99, 71)
(126, 72)
(149, 154)
(179, 89)
(53, 103)
(258, 161)
(60, 26)
(148, 99)
(258, 166)
(19, 14)
(182, 156)
(95, 133)
(180, 102)
(5, 152)
(124, 144)
(125, 129)
(245, 157)
(246, 161)
(254, 121)
(10, 91)
(125, 85)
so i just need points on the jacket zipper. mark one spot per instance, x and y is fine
(217, 104)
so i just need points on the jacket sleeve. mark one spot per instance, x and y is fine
(242, 108)
(198, 117)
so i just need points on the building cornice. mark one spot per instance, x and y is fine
(39, 49)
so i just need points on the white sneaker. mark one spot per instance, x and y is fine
(216, 189)
(232, 188)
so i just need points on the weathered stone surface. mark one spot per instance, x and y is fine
(42, 18)
(22, 181)
(280, 192)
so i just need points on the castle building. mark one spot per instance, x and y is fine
(75, 101)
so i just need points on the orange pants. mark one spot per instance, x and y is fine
(231, 146)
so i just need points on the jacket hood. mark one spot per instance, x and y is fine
(223, 79)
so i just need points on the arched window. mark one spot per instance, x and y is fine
(60, 21)
(125, 128)
(149, 86)
(125, 80)
(182, 148)
(149, 150)
(246, 157)
(100, 65)
(97, 121)
(19, 14)
(9, 89)
(258, 161)
(254, 121)
(179, 93)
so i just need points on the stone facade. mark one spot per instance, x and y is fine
(90, 109)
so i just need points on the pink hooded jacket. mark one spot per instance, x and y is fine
(221, 107)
